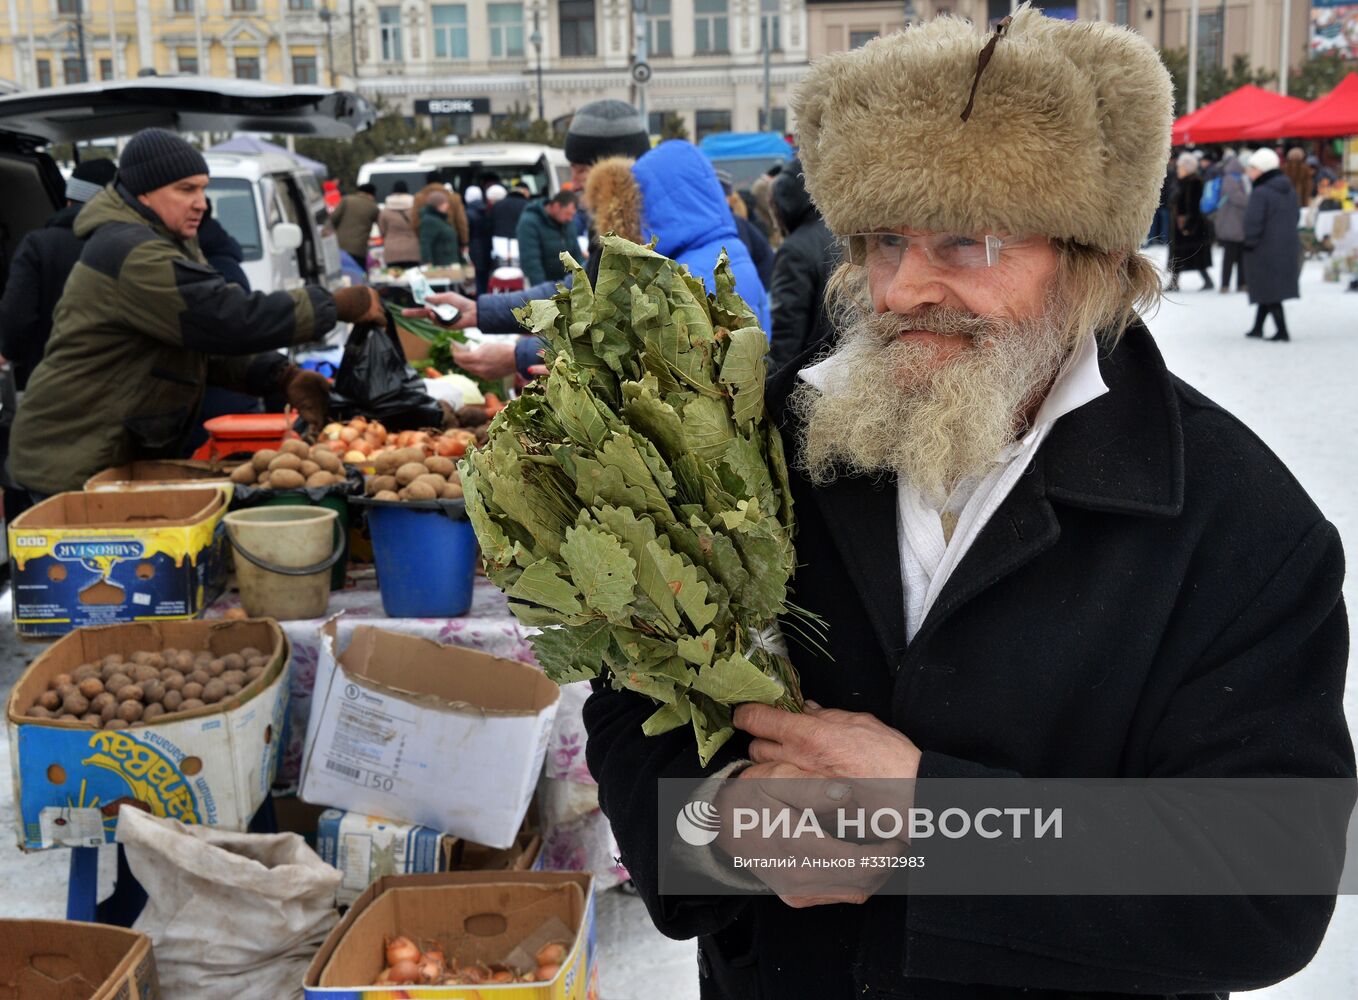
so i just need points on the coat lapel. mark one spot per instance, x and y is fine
(861, 515)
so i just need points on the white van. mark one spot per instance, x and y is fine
(541, 169)
(275, 209)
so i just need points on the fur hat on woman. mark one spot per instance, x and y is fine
(1067, 132)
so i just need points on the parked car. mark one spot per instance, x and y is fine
(541, 169)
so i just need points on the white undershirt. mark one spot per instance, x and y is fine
(928, 554)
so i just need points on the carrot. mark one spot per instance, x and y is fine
(493, 404)
(432, 372)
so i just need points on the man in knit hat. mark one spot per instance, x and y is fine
(1034, 553)
(144, 325)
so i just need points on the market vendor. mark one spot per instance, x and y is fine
(1035, 552)
(144, 325)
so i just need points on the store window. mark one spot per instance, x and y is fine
(389, 24)
(1122, 12)
(660, 29)
(710, 27)
(73, 70)
(68, 7)
(577, 27)
(770, 26)
(188, 62)
(506, 30)
(1209, 38)
(44, 73)
(183, 6)
(106, 69)
(247, 67)
(244, 6)
(857, 39)
(301, 4)
(450, 31)
(707, 122)
(304, 69)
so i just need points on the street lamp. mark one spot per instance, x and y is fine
(536, 39)
(327, 18)
(78, 47)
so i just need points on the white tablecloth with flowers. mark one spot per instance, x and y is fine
(576, 836)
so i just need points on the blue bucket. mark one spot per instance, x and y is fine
(426, 559)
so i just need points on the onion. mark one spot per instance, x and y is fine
(431, 968)
(404, 973)
(553, 953)
(358, 458)
(332, 431)
(547, 971)
(402, 949)
(350, 434)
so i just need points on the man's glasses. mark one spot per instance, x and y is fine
(946, 250)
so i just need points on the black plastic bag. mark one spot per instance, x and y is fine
(375, 382)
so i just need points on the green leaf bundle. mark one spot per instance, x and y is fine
(634, 502)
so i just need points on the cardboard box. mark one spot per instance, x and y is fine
(212, 766)
(65, 960)
(476, 916)
(464, 855)
(179, 474)
(97, 558)
(365, 848)
(438, 736)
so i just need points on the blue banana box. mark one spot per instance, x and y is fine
(100, 558)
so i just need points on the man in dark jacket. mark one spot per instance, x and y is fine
(1272, 247)
(547, 230)
(504, 214)
(221, 250)
(1034, 550)
(353, 220)
(801, 271)
(145, 324)
(39, 270)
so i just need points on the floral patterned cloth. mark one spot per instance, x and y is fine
(576, 836)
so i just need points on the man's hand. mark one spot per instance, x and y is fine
(308, 393)
(464, 305)
(828, 742)
(491, 360)
(360, 305)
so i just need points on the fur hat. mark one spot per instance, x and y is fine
(1263, 160)
(1068, 136)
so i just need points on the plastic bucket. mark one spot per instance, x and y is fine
(338, 502)
(284, 555)
(426, 560)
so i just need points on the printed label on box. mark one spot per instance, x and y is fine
(63, 827)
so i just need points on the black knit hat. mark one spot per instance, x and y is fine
(89, 178)
(154, 158)
(606, 128)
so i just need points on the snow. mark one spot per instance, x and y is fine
(1297, 396)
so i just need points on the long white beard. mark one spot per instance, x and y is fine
(890, 407)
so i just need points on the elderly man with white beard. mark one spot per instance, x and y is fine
(1034, 550)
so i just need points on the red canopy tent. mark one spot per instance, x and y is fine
(1228, 119)
(1331, 116)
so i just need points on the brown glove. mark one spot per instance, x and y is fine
(308, 393)
(359, 304)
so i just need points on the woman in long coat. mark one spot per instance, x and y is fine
(1272, 247)
(1190, 246)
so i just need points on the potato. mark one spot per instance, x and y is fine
(105, 704)
(130, 692)
(262, 458)
(117, 682)
(83, 671)
(248, 652)
(75, 704)
(152, 712)
(309, 468)
(145, 672)
(420, 491)
(285, 461)
(327, 460)
(234, 689)
(199, 675)
(409, 472)
(110, 670)
(189, 704)
(154, 690)
(113, 659)
(233, 661)
(386, 463)
(115, 724)
(66, 690)
(453, 491)
(294, 447)
(92, 719)
(215, 691)
(191, 691)
(172, 679)
(60, 681)
(263, 483)
(130, 711)
(253, 674)
(245, 474)
(436, 481)
(320, 479)
(172, 701)
(285, 479)
(444, 467)
(141, 656)
(379, 484)
(38, 712)
(185, 661)
(90, 687)
(234, 677)
(216, 668)
(49, 700)
(387, 495)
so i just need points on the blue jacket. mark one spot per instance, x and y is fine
(682, 203)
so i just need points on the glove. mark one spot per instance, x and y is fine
(308, 393)
(359, 304)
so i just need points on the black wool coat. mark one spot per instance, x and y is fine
(1190, 245)
(1156, 597)
(1272, 246)
(801, 271)
(37, 277)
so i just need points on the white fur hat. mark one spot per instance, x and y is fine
(1263, 160)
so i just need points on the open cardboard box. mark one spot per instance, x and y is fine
(165, 475)
(475, 916)
(434, 735)
(65, 960)
(212, 765)
(97, 558)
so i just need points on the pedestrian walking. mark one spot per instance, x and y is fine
(1229, 221)
(1190, 245)
(438, 239)
(1272, 246)
(455, 216)
(801, 271)
(478, 236)
(400, 243)
(546, 230)
(353, 220)
(1300, 174)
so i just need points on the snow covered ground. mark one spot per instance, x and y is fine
(1299, 397)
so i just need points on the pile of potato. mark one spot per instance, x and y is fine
(410, 474)
(293, 466)
(118, 692)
